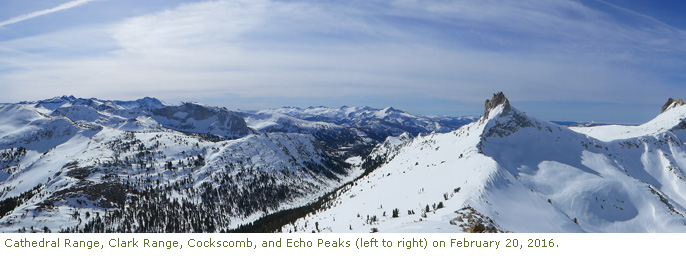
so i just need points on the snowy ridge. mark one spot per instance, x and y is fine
(102, 173)
(512, 172)
(195, 118)
(187, 117)
(90, 165)
(375, 123)
(71, 164)
(351, 129)
(672, 117)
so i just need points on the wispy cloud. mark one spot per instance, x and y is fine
(462, 50)
(61, 7)
(653, 19)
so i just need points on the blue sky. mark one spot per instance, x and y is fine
(606, 61)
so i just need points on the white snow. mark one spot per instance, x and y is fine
(509, 171)
(659, 124)
(531, 176)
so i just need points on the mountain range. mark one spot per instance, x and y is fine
(510, 172)
(88, 165)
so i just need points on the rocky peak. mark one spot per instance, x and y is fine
(197, 118)
(150, 103)
(497, 99)
(672, 103)
(67, 98)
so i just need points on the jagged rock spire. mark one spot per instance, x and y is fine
(497, 99)
(672, 103)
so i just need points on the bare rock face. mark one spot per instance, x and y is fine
(672, 103)
(497, 99)
(196, 118)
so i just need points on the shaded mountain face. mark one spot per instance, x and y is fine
(147, 114)
(90, 165)
(196, 118)
(376, 124)
(509, 171)
(352, 130)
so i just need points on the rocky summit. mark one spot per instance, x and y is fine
(497, 99)
(672, 103)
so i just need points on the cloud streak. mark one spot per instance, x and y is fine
(462, 50)
(61, 7)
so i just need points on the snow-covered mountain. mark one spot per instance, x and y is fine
(147, 114)
(509, 171)
(354, 129)
(73, 164)
(89, 165)
(375, 123)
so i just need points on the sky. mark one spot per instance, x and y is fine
(574, 60)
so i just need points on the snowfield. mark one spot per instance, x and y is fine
(69, 164)
(87, 165)
(512, 172)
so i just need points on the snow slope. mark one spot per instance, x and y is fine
(662, 123)
(146, 114)
(375, 123)
(90, 165)
(71, 164)
(511, 172)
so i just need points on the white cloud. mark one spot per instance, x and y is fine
(190, 25)
(61, 7)
(313, 49)
(569, 24)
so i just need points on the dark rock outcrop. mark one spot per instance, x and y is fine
(497, 99)
(671, 101)
(196, 118)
